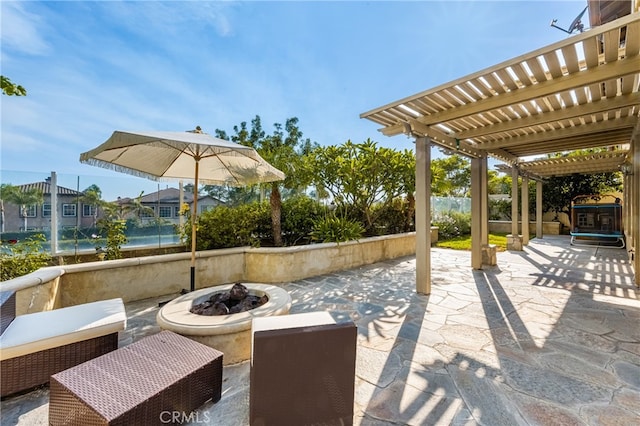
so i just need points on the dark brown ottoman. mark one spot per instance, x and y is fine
(152, 381)
(302, 370)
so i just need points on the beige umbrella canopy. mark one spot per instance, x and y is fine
(192, 155)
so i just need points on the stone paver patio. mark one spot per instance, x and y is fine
(550, 336)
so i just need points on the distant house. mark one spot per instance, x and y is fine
(164, 204)
(71, 212)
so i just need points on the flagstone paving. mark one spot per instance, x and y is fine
(550, 336)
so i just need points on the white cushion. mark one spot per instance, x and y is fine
(36, 332)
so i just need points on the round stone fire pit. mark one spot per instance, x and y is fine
(230, 334)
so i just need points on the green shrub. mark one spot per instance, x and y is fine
(452, 224)
(224, 227)
(392, 218)
(334, 229)
(262, 219)
(299, 214)
(23, 257)
(114, 229)
(500, 209)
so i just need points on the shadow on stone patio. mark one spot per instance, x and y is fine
(550, 336)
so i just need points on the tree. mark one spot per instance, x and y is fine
(498, 183)
(284, 149)
(22, 197)
(136, 208)
(5, 190)
(11, 89)
(233, 196)
(560, 190)
(92, 196)
(363, 175)
(451, 176)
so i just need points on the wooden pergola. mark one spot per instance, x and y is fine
(582, 92)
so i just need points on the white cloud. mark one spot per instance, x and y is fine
(171, 17)
(21, 30)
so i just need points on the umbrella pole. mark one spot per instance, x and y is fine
(193, 228)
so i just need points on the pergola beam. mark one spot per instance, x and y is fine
(597, 107)
(587, 130)
(602, 73)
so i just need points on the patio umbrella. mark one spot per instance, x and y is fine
(183, 155)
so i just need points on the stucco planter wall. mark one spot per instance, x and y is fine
(276, 265)
(504, 226)
(144, 277)
(153, 276)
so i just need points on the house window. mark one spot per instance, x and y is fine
(165, 211)
(88, 210)
(176, 211)
(69, 210)
(46, 210)
(29, 211)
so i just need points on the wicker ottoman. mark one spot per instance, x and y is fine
(302, 370)
(151, 381)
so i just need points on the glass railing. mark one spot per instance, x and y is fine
(149, 210)
(442, 205)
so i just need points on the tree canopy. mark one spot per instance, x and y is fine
(11, 89)
(284, 149)
(560, 190)
(363, 174)
(24, 198)
(451, 176)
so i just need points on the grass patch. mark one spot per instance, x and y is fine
(463, 242)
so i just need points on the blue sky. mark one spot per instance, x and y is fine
(94, 67)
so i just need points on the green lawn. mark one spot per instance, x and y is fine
(464, 242)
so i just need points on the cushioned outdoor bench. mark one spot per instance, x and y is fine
(159, 379)
(35, 346)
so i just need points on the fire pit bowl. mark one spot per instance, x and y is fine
(230, 334)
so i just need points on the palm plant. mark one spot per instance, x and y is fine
(137, 208)
(92, 196)
(22, 197)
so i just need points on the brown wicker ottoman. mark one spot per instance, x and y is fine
(302, 370)
(152, 381)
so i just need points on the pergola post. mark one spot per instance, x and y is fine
(423, 215)
(514, 241)
(634, 188)
(476, 213)
(539, 214)
(525, 210)
(484, 202)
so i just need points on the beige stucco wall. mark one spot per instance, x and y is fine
(153, 276)
(144, 277)
(36, 292)
(294, 263)
(504, 226)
